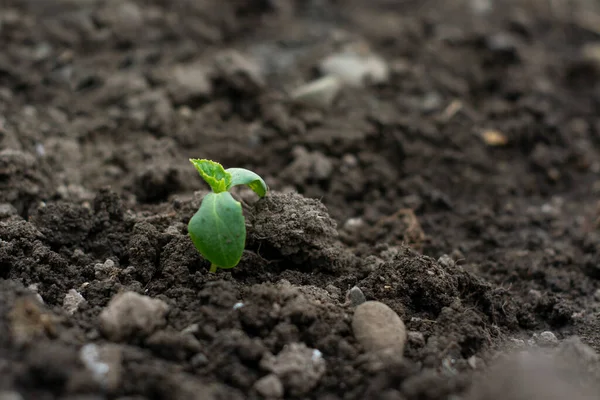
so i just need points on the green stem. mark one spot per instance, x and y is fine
(213, 268)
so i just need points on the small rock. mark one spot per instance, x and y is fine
(35, 288)
(298, 367)
(355, 297)
(269, 387)
(130, 313)
(353, 224)
(319, 93)
(377, 327)
(193, 328)
(546, 339)
(355, 67)
(104, 362)
(72, 301)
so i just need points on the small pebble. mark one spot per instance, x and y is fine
(130, 313)
(546, 339)
(73, 299)
(34, 287)
(377, 327)
(269, 386)
(353, 224)
(318, 93)
(355, 67)
(355, 297)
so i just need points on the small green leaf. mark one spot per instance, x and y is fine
(241, 176)
(213, 173)
(218, 230)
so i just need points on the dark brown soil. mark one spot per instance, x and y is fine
(392, 189)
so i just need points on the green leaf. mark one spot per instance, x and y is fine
(241, 176)
(218, 230)
(213, 173)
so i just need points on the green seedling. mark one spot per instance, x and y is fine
(218, 229)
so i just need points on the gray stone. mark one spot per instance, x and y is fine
(546, 339)
(377, 327)
(355, 297)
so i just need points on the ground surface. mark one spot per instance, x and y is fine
(474, 245)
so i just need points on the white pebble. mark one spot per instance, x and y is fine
(355, 68)
(318, 93)
(73, 299)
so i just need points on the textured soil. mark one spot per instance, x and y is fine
(461, 192)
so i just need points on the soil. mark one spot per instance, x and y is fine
(461, 192)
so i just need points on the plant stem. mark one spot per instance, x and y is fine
(213, 268)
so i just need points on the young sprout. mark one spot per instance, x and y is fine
(218, 229)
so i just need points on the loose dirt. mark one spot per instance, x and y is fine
(459, 188)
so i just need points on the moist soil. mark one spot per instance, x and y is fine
(461, 192)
